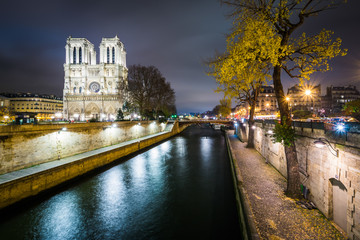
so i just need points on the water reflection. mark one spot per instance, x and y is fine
(180, 189)
(59, 218)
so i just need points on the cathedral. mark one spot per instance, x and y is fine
(91, 89)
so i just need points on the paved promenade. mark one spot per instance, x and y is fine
(271, 214)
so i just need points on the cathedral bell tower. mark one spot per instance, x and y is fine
(91, 89)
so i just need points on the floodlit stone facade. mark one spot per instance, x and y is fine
(30, 107)
(332, 180)
(91, 89)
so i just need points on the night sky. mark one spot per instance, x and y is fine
(176, 36)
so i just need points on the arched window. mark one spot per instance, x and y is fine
(113, 55)
(80, 55)
(74, 55)
(74, 89)
(108, 55)
(80, 88)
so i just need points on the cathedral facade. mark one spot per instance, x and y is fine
(91, 89)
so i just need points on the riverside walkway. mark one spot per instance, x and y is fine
(271, 215)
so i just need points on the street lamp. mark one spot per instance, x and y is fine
(322, 142)
(287, 99)
(309, 94)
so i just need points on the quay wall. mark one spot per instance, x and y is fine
(320, 168)
(21, 187)
(23, 146)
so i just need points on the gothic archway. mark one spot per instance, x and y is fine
(92, 110)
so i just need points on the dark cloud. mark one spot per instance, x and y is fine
(175, 36)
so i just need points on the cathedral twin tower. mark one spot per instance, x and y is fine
(91, 89)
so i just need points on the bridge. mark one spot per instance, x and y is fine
(201, 121)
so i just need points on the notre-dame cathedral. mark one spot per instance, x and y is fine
(91, 89)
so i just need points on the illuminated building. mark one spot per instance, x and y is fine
(266, 103)
(337, 97)
(4, 102)
(91, 89)
(28, 107)
(305, 97)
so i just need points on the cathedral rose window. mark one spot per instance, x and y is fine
(94, 87)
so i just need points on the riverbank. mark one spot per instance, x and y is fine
(270, 214)
(21, 184)
(180, 188)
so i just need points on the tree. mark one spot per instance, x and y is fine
(353, 109)
(225, 107)
(243, 69)
(298, 57)
(301, 114)
(216, 110)
(149, 92)
(5, 114)
(120, 115)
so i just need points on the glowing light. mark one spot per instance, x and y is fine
(340, 127)
(58, 115)
(253, 127)
(270, 132)
(64, 129)
(319, 144)
(6, 117)
(76, 115)
(307, 92)
(114, 125)
(287, 99)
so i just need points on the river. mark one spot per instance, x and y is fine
(179, 189)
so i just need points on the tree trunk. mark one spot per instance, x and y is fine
(250, 143)
(293, 177)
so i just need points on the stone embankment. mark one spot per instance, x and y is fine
(54, 169)
(269, 214)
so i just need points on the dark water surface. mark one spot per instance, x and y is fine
(179, 189)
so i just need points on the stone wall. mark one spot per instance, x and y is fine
(321, 169)
(23, 146)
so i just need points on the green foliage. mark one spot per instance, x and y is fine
(301, 114)
(353, 109)
(120, 115)
(283, 134)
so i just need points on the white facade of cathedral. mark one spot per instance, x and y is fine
(91, 88)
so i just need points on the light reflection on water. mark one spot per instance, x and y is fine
(180, 189)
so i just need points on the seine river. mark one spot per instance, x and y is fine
(179, 189)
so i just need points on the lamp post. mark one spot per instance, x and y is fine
(322, 142)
